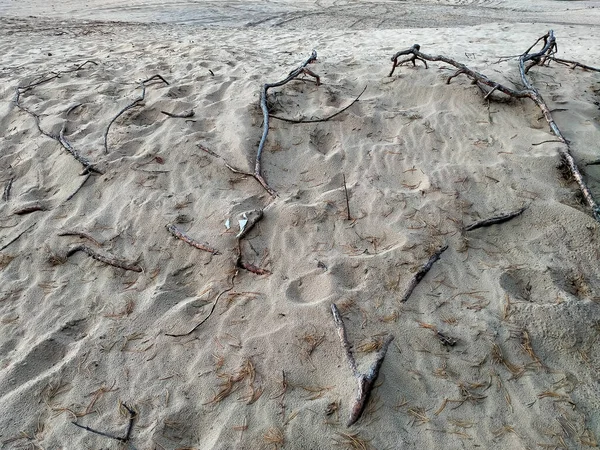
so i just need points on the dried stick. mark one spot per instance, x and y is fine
(183, 115)
(367, 380)
(126, 438)
(78, 189)
(133, 104)
(495, 220)
(18, 236)
(7, 188)
(574, 64)
(526, 61)
(110, 260)
(188, 240)
(265, 109)
(347, 201)
(324, 119)
(417, 277)
(80, 234)
(212, 309)
(87, 165)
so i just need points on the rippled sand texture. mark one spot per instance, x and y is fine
(421, 159)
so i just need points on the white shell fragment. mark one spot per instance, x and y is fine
(242, 223)
(227, 224)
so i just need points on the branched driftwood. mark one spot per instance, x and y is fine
(527, 60)
(302, 69)
(20, 90)
(190, 241)
(417, 277)
(495, 220)
(324, 119)
(110, 260)
(132, 416)
(366, 381)
(133, 104)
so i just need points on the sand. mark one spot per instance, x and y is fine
(421, 159)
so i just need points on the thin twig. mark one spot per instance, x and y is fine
(110, 260)
(133, 104)
(417, 277)
(87, 177)
(126, 438)
(212, 309)
(80, 234)
(367, 380)
(188, 240)
(495, 220)
(574, 64)
(324, 119)
(348, 216)
(18, 236)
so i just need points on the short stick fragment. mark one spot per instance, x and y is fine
(495, 220)
(347, 200)
(188, 240)
(417, 277)
(7, 188)
(18, 236)
(110, 260)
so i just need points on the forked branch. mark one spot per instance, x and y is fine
(366, 381)
(527, 60)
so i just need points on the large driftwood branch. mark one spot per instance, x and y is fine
(366, 381)
(526, 61)
(265, 110)
(133, 104)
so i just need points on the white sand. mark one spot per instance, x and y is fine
(421, 160)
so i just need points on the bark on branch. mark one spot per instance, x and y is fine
(527, 60)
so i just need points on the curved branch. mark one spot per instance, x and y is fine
(265, 110)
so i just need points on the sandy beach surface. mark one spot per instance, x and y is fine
(107, 319)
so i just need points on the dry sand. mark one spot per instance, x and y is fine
(421, 160)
